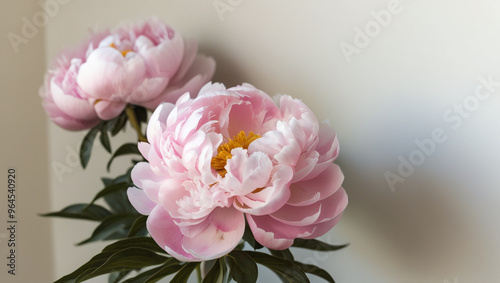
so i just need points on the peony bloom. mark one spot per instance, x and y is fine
(143, 64)
(63, 99)
(231, 154)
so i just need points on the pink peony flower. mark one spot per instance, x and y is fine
(231, 154)
(63, 99)
(143, 64)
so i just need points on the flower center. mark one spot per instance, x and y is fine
(224, 150)
(123, 52)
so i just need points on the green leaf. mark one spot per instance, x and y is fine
(106, 181)
(89, 266)
(119, 203)
(137, 242)
(317, 245)
(285, 254)
(183, 275)
(81, 211)
(113, 188)
(128, 148)
(118, 124)
(116, 276)
(127, 259)
(138, 227)
(142, 277)
(153, 275)
(313, 269)
(141, 114)
(248, 236)
(87, 144)
(286, 270)
(166, 270)
(217, 273)
(242, 267)
(124, 178)
(113, 227)
(105, 139)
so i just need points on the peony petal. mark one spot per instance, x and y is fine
(162, 60)
(167, 234)
(140, 201)
(64, 120)
(199, 74)
(321, 211)
(144, 178)
(225, 231)
(188, 58)
(108, 109)
(156, 120)
(328, 149)
(323, 186)
(246, 174)
(305, 164)
(72, 106)
(276, 235)
(268, 199)
(103, 75)
(267, 238)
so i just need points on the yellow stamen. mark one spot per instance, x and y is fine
(224, 150)
(124, 53)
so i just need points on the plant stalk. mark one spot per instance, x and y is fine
(198, 272)
(135, 124)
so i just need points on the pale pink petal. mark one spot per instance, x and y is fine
(108, 109)
(305, 164)
(268, 199)
(323, 186)
(189, 55)
(198, 75)
(247, 173)
(140, 201)
(167, 234)
(226, 229)
(321, 211)
(73, 106)
(147, 90)
(277, 235)
(328, 149)
(156, 120)
(321, 228)
(61, 118)
(268, 238)
(67, 122)
(103, 75)
(144, 178)
(162, 60)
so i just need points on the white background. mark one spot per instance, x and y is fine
(440, 225)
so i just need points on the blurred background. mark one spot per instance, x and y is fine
(411, 87)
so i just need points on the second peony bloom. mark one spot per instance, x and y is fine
(144, 63)
(232, 156)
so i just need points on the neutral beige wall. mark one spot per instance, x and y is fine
(442, 222)
(23, 146)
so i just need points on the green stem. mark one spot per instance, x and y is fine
(135, 124)
(198, 272)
